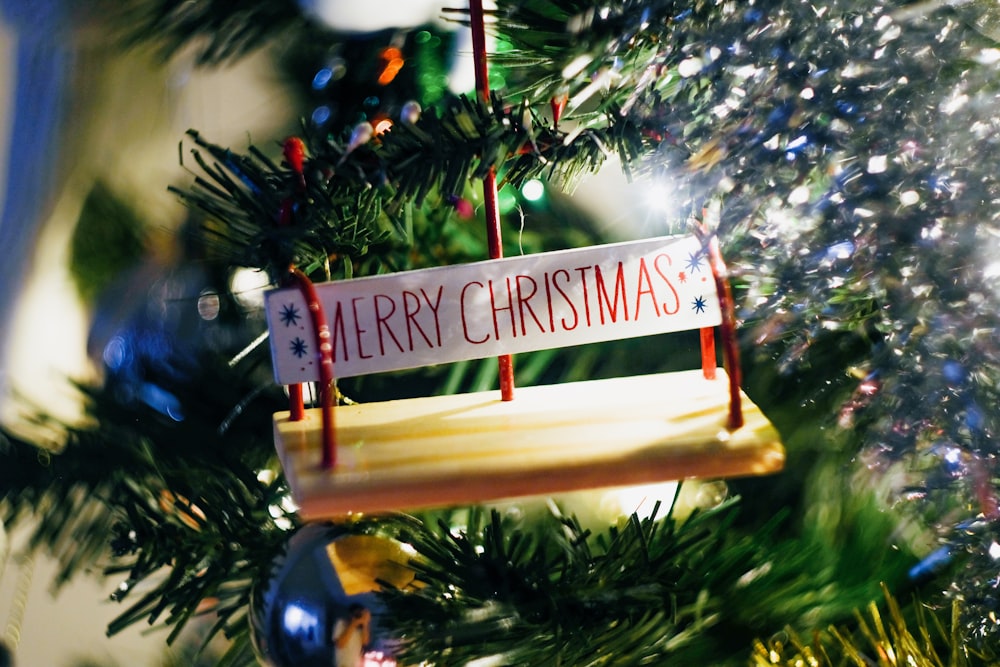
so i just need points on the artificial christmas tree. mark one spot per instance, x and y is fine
(843, 151)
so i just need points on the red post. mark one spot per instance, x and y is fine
(708, 363)
(727, 331)
(505, 362)
(296, 406)
(324, 344)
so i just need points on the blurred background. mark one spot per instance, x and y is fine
(77, 111)
(91, 130)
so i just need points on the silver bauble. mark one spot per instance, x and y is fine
(320, 606)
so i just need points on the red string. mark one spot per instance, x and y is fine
(727, 330)
(505, 362)
(324, 342)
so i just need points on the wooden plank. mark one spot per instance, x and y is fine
(469, 448)
(505, 306)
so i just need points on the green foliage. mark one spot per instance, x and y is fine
(544, 590)
(182, 494)
(247, 193)
(493, 589)
(108, 239)
(355, 201)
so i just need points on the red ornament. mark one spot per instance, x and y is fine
(462, 206)
(558, 104)
(295, 156)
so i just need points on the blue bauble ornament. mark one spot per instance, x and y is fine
(320, 606)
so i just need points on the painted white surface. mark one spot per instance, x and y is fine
(507, 306)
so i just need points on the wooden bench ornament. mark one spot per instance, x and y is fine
(445, 450)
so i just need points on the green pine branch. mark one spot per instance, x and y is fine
(544, 590)
(356, 199)
(137, 491)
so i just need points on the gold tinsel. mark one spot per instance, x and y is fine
(880, 637)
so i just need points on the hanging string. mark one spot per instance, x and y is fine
(478, 24)
(324, 343)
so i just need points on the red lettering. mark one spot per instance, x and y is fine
(586, 300)
(509, 307)
(602, 293)
(411, 306)
(548, 302)
(381, 323)
(667, 310)
(523, 302)
(465, 322)
(569, 302)
(339, 330)
(357, 328)
(434, 309)
(644, 279)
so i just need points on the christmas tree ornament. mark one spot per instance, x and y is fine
(320, 606)
(294, 150)
(446, 450)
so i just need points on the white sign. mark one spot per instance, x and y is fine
(504, 306)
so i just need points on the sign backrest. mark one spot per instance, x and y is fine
(505, 306)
